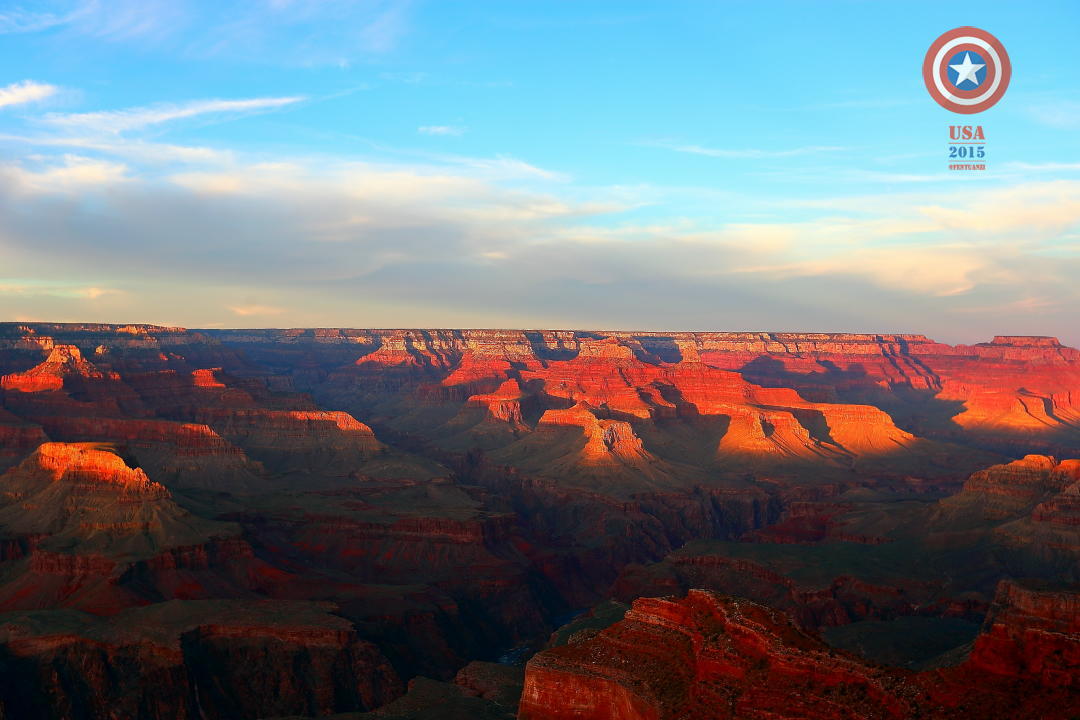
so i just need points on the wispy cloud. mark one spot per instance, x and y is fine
(415, 244)
(1043, 167)
(879, 176)
(18, 20)
(861, 104)
(250, 310)
(304, 33)
(137, 150)
(1022, 306)
(941, 271)
(26, 91)
(386, 28)
(119, 121)
(1063, 114)
(291, 32)
(114, 20)
(501, 167)
(744, 152)
(35, 288)
(454, 130)
(73, 173)
(409, 78)
(414, 240)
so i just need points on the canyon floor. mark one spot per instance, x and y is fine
(459, 524)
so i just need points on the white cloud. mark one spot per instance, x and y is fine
(1043, 167)
(303, 33)
(115, 20)
(744, 152)
(1064, 114)
(441, 130)
(938, 271)
(25, 92)
(386, 28)
(31, 288)
(287, 32)
(17, 20)
(1035, 209)
(129, 148)
(454, 240)
(502, 167)
(120, 121)
(249, 310)
(73, 173)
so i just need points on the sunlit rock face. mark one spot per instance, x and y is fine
(703, 656)
(710, 656)
(426, 502)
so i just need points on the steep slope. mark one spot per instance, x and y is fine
(456, 493)
(85, 499)
(190, 659)
(1027, 509)
(76, 519)
(705, 656)
(17, 438)
(63, 363)
(708, 656)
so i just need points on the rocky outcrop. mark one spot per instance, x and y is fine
(79, 468)
(1027, 509)
(83, 516)
(17, 438)
(606, 441)
(179, 454)
(503, 405)
(712, 656)
(478, 579)
(456, 491)
(181, 660)
(1062, 509)
(1023, 664)
(1008, 490)
(501, 684)
(64, 361)
(705, 655)
(839, 600)
(1031, 632)
(296, 439)
(429, 699)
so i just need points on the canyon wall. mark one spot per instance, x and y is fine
(447, 497)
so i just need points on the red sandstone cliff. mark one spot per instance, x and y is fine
(707, 657)
(704, 656)
(514, 476)
(192, 659)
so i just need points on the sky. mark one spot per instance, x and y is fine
(586, 165)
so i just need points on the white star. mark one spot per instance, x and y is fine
(967, 71)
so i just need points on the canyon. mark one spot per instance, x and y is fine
(536, 524)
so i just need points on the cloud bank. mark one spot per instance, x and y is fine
(355, 243)
(102, 220)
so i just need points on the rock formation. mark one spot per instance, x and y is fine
(206, 659)
(712, 656)
(178, 507)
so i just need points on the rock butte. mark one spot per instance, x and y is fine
(259, 523)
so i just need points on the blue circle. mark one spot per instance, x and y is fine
(958, 59)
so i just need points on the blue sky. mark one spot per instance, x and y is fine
(712, 165)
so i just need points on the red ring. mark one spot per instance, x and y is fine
(1005, 70)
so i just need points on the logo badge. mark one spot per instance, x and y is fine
(967, 70)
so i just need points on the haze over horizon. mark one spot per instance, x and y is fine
(405, 164)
